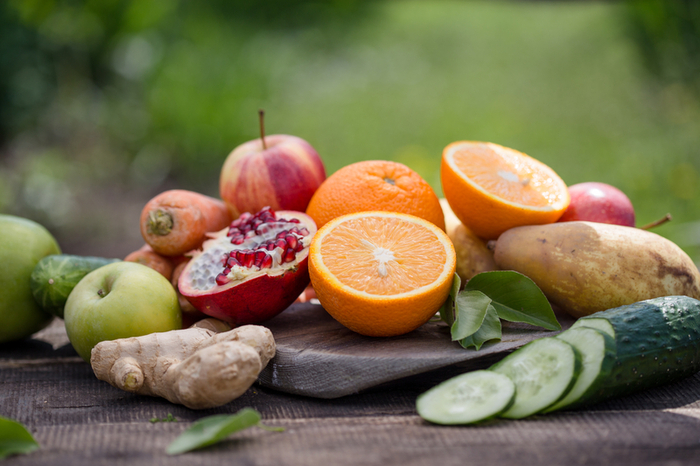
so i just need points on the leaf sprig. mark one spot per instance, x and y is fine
(474, 314)
(15, 439)
(210, 430)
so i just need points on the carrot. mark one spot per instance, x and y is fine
(176, 221)
(148, 257)
(307, 295)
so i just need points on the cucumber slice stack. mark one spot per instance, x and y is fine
(607, 354)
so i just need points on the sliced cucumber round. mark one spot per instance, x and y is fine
(597, 351)
(467, 398)
(543, 371)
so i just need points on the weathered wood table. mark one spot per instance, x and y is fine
(79, 420)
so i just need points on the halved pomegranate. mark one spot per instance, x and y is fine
(253, 270)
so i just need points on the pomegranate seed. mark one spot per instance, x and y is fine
(233, 231)
(289, 255)
(248, 259)
(281, 243)
(232, 261)
(226, 271)
(245, 228)
(291, 241)
(294, 230)
(294, 220)
(267, 262)
(282, 234)
(237, 239)
(221, 279)
(260, 255)
(300, 247)
(270, 246)
(303, 232)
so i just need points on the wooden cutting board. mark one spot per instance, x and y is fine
(318, 357)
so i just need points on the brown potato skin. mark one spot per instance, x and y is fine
(586, 267)
(473, 254)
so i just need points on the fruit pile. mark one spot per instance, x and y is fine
(372, 242)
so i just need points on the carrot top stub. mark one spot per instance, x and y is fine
(160, 223)
(176, 221)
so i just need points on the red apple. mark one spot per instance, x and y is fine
(278, 171)
(599, 202)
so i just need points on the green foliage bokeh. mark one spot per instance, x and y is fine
(105, 103)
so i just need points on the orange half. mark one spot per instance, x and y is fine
(381, 273)
(492, 188)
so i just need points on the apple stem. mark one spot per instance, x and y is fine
(656, 223)
(261, 113)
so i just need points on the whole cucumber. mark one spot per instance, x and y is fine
(657, 341)
(55, 276)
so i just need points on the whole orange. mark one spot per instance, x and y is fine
(379, 185)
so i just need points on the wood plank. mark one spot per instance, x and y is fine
(318, 357)
(79, 420)
(587, 439)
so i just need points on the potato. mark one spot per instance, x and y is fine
(473, 255)
(586, 267)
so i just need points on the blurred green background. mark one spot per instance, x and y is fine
(105, 103)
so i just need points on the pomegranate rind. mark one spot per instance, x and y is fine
(256, 298)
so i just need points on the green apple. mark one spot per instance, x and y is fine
(119, 300)
(22, 244)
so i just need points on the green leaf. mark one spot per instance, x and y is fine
(447, 311)
(470, 311)
(15, 438)
(490, 330)
(210, 430)
(516, 298)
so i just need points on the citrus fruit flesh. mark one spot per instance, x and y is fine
(381, 273)
(492, 188)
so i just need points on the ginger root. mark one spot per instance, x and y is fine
(195, 367)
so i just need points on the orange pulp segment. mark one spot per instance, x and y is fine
(381, 273)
